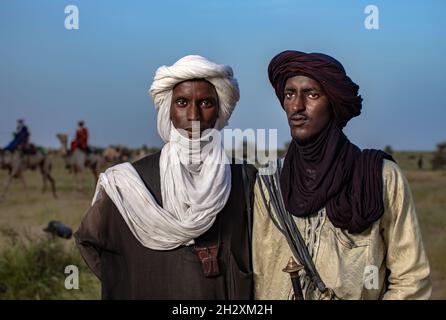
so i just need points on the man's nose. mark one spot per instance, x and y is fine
(298, 103)
(193, 113)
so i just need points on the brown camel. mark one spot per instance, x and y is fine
(111, 155)
(18, 161)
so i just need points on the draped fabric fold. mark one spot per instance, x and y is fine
(331, 171)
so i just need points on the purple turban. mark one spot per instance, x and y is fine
(341, 91)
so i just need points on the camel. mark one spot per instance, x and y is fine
(18, 161)
(77, 160)
(111, 155)
(116, 154)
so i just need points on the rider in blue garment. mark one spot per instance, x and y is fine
(21, 136)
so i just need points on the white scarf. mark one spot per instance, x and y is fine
(193, 192)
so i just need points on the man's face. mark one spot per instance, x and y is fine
(307, 107)
(194, 100)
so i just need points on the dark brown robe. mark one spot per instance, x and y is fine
(128, 270)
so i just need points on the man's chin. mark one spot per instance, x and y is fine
(195, 135)
(301, 136)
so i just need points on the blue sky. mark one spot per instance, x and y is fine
(101, 73)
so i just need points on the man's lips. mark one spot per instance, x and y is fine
(192, 133)
(298, 120)
(190, 130)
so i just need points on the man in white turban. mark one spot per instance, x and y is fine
(176, 224)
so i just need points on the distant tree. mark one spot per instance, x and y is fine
(153, 150)
(441, 147)
(388, 149)
(420, 162)
(439, 160)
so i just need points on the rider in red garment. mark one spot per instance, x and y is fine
(81, 140)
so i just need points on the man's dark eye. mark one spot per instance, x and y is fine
(313, 95)
(206, 104)
(181, 102)
(288, 95)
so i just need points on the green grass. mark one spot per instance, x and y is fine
(33, 268)
(31, 264)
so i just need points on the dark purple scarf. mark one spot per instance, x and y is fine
(330, 171)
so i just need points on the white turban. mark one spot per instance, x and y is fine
(188, 68)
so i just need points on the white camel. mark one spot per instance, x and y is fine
(77, 160)
(18, 161)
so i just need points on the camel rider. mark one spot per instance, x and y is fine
(21, 137)
(81, 140)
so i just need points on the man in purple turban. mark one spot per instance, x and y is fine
(345, 214)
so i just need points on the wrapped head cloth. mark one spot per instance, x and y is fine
(188, 68)
(341, 91)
